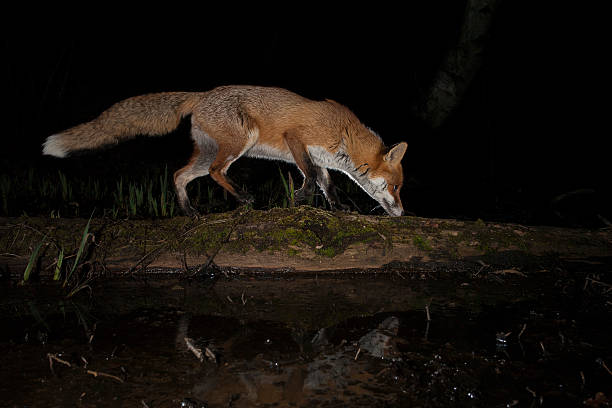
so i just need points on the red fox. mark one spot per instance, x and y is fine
(271, 123)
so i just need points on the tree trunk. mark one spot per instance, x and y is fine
(460, 65)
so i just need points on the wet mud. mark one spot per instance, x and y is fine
(398, 337)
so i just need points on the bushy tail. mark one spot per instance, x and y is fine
(152, 114)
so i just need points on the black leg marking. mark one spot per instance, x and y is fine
(329, 190)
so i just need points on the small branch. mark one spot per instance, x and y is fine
(522, 331)
(607, 285)
(53, 357)
(209, 262)
(603, 364)
(533, 394)
(155, 251)
(101, 374)
(13, 255)
(195, 350)
(210, 355)
(147, 255)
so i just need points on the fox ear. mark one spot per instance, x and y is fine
(395, 154)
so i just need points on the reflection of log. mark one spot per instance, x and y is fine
(299, 239)
(460, 65)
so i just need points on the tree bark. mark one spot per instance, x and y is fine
(460, 65)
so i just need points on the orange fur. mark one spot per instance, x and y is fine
(231, 121)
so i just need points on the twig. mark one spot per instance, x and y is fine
(101, 374)
(357, 354)
(483, 266)
(16, 235)
(33, 229)
(509, 272)
(373, 209)
(595, 281)
(195, 350)
(604, 220)
(53, 357)
(384, 370)
(603, 364)
(55, 262)
(209, 262)
(522, 331)
(147, 255)
(210, 355)
(165, 244)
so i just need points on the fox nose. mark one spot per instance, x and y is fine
(396, 212)
(401, 210)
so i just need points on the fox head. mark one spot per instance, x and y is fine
(383, 178)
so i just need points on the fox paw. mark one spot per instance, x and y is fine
(191, 212)
(246, 199)
(188, 210)
(302, 195)
(340, 207)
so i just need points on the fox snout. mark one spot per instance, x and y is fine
(394, 209)
(397, 211)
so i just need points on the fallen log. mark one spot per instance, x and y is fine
(298, 239)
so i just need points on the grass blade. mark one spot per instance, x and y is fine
(58, 265)
(33, 256)
(291, 190)
(289, 193)
(284, 182)
(164, 194)
(80, 251)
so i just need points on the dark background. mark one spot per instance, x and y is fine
(528, 130)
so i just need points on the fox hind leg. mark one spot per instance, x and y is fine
(204, 152)
(218, 172)
(227, 154)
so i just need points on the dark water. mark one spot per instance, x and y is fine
(315, 340)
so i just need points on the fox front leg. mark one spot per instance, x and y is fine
(329, 190)
(304, 162)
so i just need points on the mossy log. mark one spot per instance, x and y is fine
(298, 239)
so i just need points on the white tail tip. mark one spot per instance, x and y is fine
(53, 147)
